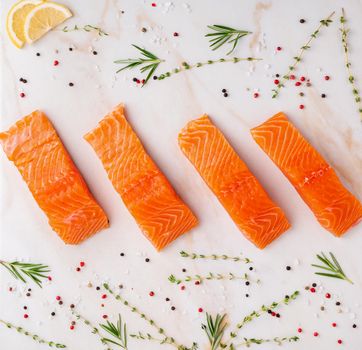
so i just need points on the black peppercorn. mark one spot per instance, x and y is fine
(53, 313)
(288, 268)
(323, 95)
(147, 260)
(226, 94)
(173, 308)
(302, 20)
(223, 90)
(122, 254)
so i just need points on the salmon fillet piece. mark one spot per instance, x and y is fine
(334, 206)
(53, 179)
(159, 212)
(238, 190)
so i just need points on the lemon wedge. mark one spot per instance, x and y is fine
(42, 18)
(16, 19)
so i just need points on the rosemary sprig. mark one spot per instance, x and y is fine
(186, 66)
(86, 28)
(35, 337)
(214, 329)
(214, 257)
(297, 59)
(148, 62)
(161, 341)
(143, 316)
(221, 35)
(351, 78)
(277, 340)
(20, 271)
(332, 266)
(210, 276)
(117, 331)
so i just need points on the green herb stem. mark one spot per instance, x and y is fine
(186, 66)
(33, 336)
(331, 266)
(298, 58)
(277, 340)
(86, 28)
(351, 77)
(143, 316)
(221, 35)
(215, 257)
(210, 276)
(20, 271)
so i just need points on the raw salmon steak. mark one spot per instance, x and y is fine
(238, 190)
(157, 209)
(56, 184)
(334, 206)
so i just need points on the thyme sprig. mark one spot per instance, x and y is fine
(221, 35)
(33, 336)
(20, 271)
(86, 28)
(148, 62)
(210, 276)
(332, 266)
(143, 316)
(93, 328)
(214, 329)
(303, 49)
(351, 77)
(277, 340)
(117, 331)
(161, 341)
(186, 66)
(215, 257)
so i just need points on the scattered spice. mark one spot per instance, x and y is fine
(22, 95)
(302, 20)
(151, 294)
(56, 63)
(288, 268)
(301, 106)
(71, 84)
(176, 34)
(326, 77)
(147, 260)
(323, 95)
(279, 48)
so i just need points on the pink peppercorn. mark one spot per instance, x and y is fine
(22, 95)
(82, 263)
(300, 330)
(104, 296)
(292, 77)
(50, 278)
(302, 78)
(276, 81)
(326, 77)
(316, 334)
(328, 296)
(298, 83)
(71, 327)
(256, 95)
(197, 283)
(58, 297)
(78, 269)
(200, 309)
(153, 4)
(175, 34)
(334, 324)
(26, 315)
(56, 62)
(279, 48)
(301, 106)
(105, 316)
(183, 287)
(273, 313)
(312, 290)
(339, 341)
(151, 294)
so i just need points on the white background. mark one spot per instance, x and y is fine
(158, 111)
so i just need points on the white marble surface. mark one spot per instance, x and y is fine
(157, 112)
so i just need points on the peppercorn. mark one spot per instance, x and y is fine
(60, 302)
(53, 313)
(269, 311)
(277, 75)
(167, 299)
(135, 79)
(175, 34)
(144, 30)
(72, 306)
(326, 77)
(26, 315)
(98, 288)
(316, 334)
(223, 90)
(314, 285)
(298, 83)
(334, 324)
(302, 20)
(323, 95)
(22, 95)
(276, 81)
(300, 330)
(322, 308)
(251, 268)
(288, 268)
(183, 270)
(226, 94)
(71, 84)
(25, 307)
(312, 290)
(200, 309)
(73, 323)
(247, 283)
(28, 294)
(354, 326)
(122, 254)
(95, 53)
(78, 269)
(279, 48)
(328, 296)
(38, 54)
(173, 308)
(155, 77)
(70, 49)
(147, 260)
(339, 341)
(277, 315)
(247, 295)
(301, 106)
(151, 294)
(301, 94)
(287, 297)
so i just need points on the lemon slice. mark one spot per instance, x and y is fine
(16, 18)
(43, 18)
